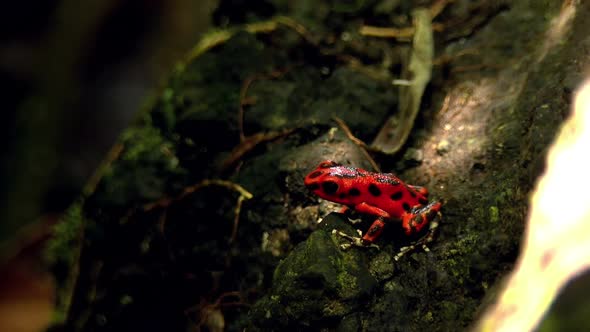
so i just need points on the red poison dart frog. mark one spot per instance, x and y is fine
(382, 195)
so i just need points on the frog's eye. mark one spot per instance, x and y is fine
(330, 187)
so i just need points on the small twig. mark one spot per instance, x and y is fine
(204, 309)
(237, 210)
(438, 6)
(249, 143)
(297, 27)
(244, 100)
(216, 38)
(241, 112)
(476, 67)
(381, 32)
(166, 201)
(445, 106)
(244, 195)
(446, 58)
(402, 33)
(348, 133)
(405, 33)
(364, 147)
(112, 155)
(220, 299)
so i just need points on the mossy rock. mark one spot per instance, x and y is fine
(316, 285)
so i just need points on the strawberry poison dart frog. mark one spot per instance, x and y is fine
(382, 195)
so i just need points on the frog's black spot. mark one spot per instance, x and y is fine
(412, 193)
(330, 187)
(406, 207)
(342, 195)
(315, 174)
(423, 201)
(354, 192)
(313, 186)
(397, 196)
(374, 190)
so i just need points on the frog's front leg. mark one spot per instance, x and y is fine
(374, 231)
(354, 240)
(377, 227)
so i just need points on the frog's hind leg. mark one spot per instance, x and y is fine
(415, 221)
(423, 241)
(420, 215)
(374, 231)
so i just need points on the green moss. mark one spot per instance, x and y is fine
(144, 143)
(348, 284)
(382, 266)
(66, 233)
(61, 254)
(458, 260)
(316, 280)
(335, 309)
(494, 214)
(146, 170)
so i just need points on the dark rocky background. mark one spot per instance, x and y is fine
(154, 242)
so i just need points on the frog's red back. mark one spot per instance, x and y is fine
(352, 186)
